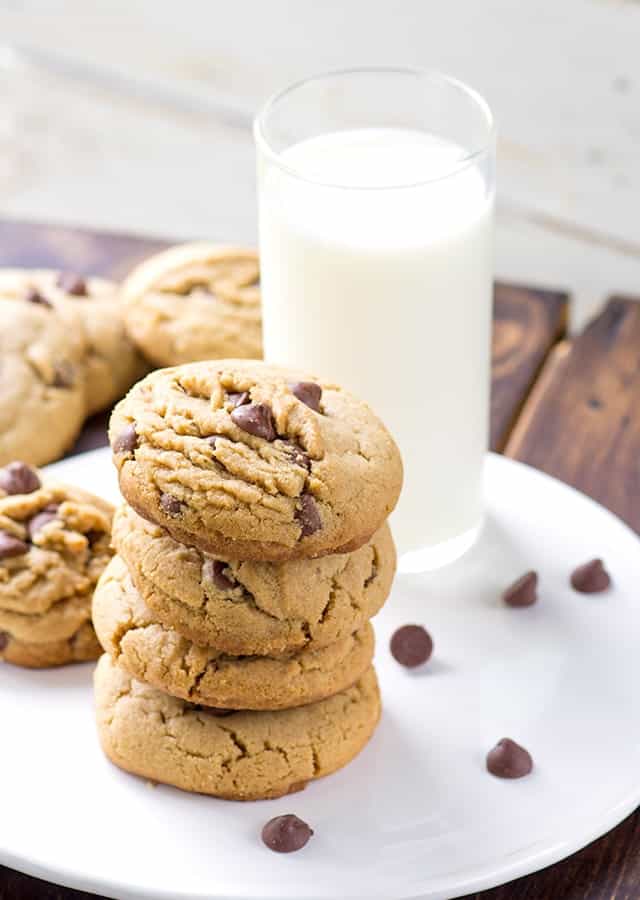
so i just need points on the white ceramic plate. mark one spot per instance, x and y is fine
(416, 815)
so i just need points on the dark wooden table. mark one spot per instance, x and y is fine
(570, 407)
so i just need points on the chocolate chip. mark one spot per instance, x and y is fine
(171, 505)
(284, 834)
(308, 515)
(41, 519)
(591, 578)
(64, 375)
(213, 570)
(11, 546)
(19, 478)
(255, 418)
(522, 592)
(509, 760)
(33, 295)
(127, 440)
(72, 284)
(411, 645)
(4, 640)
(297, 455)
(238, 398)
(308, 392)
(212, 441)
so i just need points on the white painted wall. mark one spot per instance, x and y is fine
(563, 77)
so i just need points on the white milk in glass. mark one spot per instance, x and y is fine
(388, 290)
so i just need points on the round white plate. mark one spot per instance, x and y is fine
(416, 815)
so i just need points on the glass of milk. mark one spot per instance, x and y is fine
(376, 195)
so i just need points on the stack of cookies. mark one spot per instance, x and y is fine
(251, 553)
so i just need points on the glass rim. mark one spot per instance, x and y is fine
(433, 75)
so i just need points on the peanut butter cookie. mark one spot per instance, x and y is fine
(250, 461)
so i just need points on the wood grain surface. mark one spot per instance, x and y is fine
(571, 409)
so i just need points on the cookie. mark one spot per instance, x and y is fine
(54, 545)
(159, 655)
(195, 301)
(42, 381)
(247, 755)
(111, 361)
(82, 646)
(250, 461)
(254, 607)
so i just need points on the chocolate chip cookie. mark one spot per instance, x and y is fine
(42, 381)
(245, 755)
(250, 461)
(195, 301)
(254, 607)
(159, 655)
(92, 309)
(54, 545)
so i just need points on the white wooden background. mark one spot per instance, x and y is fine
(135, 114)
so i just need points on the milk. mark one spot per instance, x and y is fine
(388, 290)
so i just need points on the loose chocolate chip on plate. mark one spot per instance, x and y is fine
(255, 418)
(4, 640)
(591, 578)
(171, 505)
(72, 284)
(127, 440)
(19, 478)
(41, 519)
(308, 515)
(238, 398)
(522, 592)
(309, 393)
(284, 834)
(509, 760)
(213, 570)
(411, 645)
(11, 546)
(64, 375)
(33, 295)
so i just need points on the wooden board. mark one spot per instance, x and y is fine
(583, 423)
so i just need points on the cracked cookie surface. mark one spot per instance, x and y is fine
(250, 461)
(245, 755)
(195, 301)
(90, 308)
(54, 545)
(254, 607)
(160, 656)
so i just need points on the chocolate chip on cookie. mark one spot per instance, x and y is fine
(64, 375)
(308, 515)
(238, 398)
(284, 834)
(591, 578)
(171, 505)
(297, 455)
(213, 570)
(127, 440)
(19, 478)
(72, 284)
(33, 295)
(256, 419)
(411, 645)
(308, 392)
(11, 546)
(48, 514)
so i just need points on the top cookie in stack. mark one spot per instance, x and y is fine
(254, 462)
